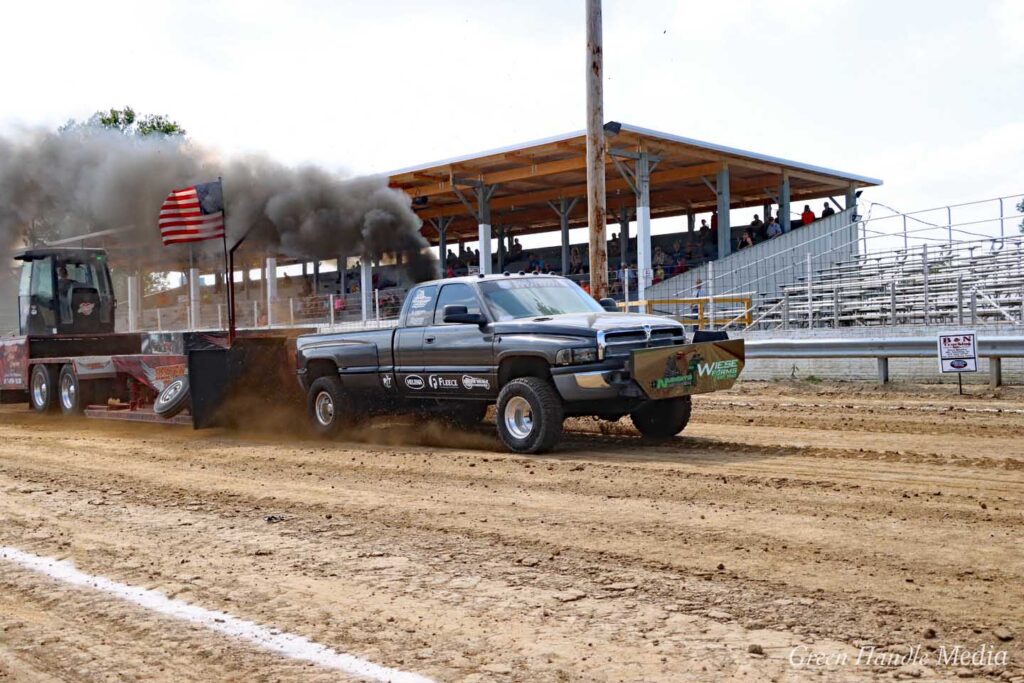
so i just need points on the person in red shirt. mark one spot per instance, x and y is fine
(807, 217)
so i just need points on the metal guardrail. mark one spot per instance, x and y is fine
(993, 348)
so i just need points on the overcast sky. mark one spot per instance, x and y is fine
(926, 95)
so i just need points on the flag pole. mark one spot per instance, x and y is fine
(229, 268)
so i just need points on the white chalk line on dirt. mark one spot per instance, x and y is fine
(293, 646)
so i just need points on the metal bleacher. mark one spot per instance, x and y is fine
(920, 268)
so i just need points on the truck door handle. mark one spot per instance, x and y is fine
(429, 340)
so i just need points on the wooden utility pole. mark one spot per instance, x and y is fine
(596, 200)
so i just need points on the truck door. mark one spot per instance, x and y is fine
(37, 297)
(417, 314)
(458, 358)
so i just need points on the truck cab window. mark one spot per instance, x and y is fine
(419, 306)
(455, 295)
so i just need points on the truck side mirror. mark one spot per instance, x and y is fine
(609, 304)
(459, 314)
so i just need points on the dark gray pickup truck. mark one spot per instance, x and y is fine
(538, 346)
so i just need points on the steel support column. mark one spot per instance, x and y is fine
(193, 297)
(272, 286)
(483, 198)
(134, 303)
(623, 235)
(441, 225)
(691, 225)
(643, 224)
(365, 287)
(784, 203)
(724, 202)
(563, 209)
(851, 197)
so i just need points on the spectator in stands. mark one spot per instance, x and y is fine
(628, 277)
(679, 265)
(677, 250)
(807, 217)
(757, 226)
(774, 229)
(517, 250)
(747, 240)
(451, 270)
(827, 211)
(659, 257)
(575, 262)
(659, 274)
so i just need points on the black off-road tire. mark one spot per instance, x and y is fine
(541, 430)
(72, 395)
(42, 388)
(660, 420)
(336, 411)
(174, 398)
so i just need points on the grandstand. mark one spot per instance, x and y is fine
(863, 271)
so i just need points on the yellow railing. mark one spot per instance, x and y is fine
(701, 304)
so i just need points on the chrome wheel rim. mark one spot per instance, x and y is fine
(40, 389)
(324, 409)
(67, 392)
(172, 390)
(518, 417)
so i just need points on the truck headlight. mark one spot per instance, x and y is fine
(576, 356)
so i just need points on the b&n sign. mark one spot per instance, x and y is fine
(958, 352)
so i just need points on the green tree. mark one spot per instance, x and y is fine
(128, 122)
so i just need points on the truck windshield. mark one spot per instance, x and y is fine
(533, 297)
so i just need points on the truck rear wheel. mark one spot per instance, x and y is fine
(659, 420)
(530, 415)
(71, 394)
(42, 388)
(329, 406)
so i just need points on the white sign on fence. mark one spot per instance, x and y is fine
(958, 352)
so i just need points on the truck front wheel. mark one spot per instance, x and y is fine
(659, 420)
(328, 406)
(530, 415)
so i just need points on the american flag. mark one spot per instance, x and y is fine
(193, 214)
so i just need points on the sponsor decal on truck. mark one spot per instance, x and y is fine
(688, 369)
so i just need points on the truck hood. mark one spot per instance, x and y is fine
(581, 324)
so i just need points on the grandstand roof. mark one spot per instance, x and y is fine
(530, 175)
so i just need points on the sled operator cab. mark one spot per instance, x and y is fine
(65, 291)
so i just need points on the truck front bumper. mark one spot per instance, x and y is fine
(590, 384)
(655, 373)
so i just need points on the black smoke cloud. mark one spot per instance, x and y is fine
(88, 179)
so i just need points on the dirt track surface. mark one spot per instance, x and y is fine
(822, 518)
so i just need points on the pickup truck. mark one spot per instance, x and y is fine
(537, 346)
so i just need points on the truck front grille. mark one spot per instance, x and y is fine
(620, 343)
